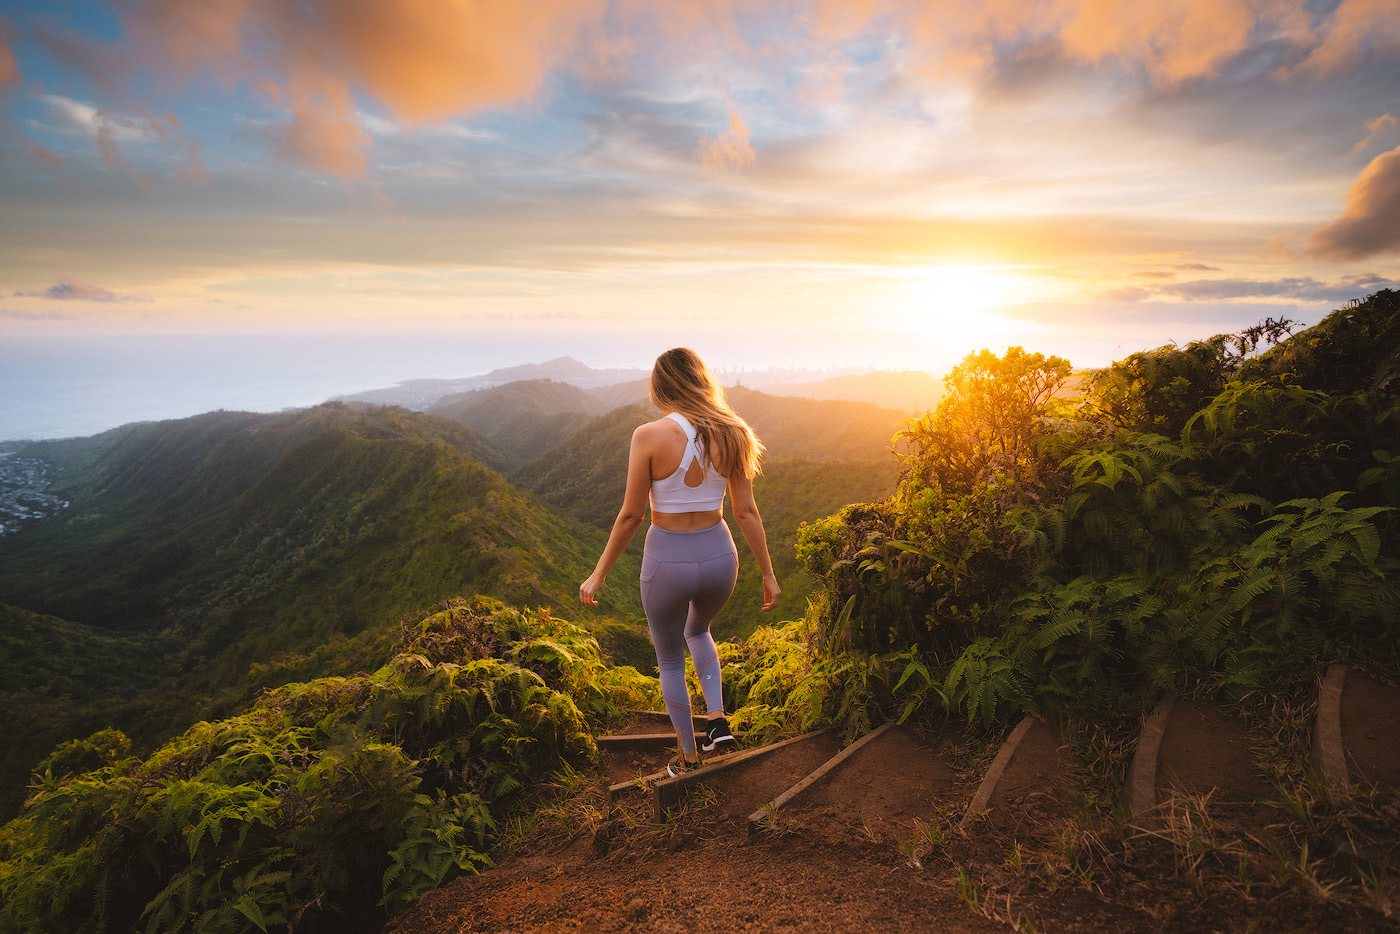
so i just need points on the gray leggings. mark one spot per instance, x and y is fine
(686, 578)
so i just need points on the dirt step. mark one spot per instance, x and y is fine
(877, 787)
(1028, 786)
(1358, 722)
(626, 759)
(1191, 750)
(643, 722)
(741, 781)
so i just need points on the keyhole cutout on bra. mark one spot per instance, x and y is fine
(694, 474)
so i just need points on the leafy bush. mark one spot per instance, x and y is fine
(1038, 554)
(326, 804)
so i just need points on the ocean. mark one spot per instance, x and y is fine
(76, 386)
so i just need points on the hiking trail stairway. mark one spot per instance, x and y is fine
(893, 781)
(903, 830)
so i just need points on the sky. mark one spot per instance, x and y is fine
(826, 183)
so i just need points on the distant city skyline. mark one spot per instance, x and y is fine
(878, 184)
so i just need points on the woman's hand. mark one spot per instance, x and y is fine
(588, 590)
(771, 592)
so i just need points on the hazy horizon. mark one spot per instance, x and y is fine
(78, 385)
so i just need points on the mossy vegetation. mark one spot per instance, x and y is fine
(326, 805)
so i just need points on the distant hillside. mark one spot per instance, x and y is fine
(585, 476)
(521, 418)
(911, 392)
(796, 427)
(632, 392)
(421, 394)
(265, 549)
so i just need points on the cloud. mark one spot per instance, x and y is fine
(729, 149)
(70, 290)
(1352, 29)
(94, 122)
(1304, 289)
(430, 61)
(21, 315)
(423, 60)
(1370, 222)
(9, 65)
(1171, 41)
(1374, 127)
(51, 159)
(1129, 293)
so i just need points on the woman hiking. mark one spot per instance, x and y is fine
(683, 462)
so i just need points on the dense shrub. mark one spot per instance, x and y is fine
(326, 804)
(1044, 552)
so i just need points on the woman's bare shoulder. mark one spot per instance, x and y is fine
(659, 431)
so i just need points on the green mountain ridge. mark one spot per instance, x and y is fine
(521, 418)
(255, 550)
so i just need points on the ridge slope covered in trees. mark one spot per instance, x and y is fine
(243, 551)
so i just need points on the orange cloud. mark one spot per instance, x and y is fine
(9, 66)
(51, 159)
(1374, 127)
(1173, 40)
(729, 149)
(1370, 223)
(425, 60)
(1354, 27)
(325, 133)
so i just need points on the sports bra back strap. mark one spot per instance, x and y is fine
(685, 424)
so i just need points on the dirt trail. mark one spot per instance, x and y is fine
(882, 846)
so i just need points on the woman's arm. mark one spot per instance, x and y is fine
(629, 517)
(751, 524)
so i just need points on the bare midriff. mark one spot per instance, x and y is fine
(687, 521)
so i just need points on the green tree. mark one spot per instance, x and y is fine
(989, 423)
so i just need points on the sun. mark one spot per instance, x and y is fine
(957, 306)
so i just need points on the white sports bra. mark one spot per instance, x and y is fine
(670, 494)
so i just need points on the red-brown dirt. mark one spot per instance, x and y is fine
(1203, 750)
(1035, 793)
(1371, 729)
(879, 792)
(740, 791)
(849, 856)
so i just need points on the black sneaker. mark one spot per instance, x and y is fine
(679, 765)
(717, 736)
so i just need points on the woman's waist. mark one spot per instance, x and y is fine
(686, 522)
(703, 544)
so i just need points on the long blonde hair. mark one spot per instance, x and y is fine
(680, 382)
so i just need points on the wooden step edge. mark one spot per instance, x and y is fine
(988, 786)
(698, 720)
(1328, 757)
(1140, 788)
(668, 790)
(641, 739)
(644, 782)
(757, 818)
